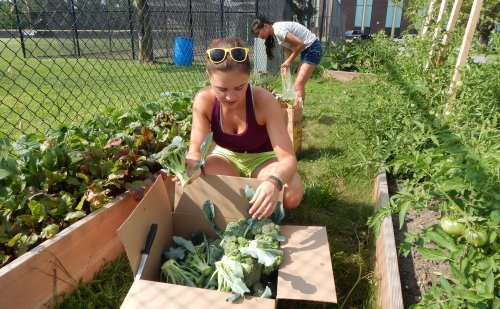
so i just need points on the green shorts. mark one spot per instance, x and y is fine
(244, 162)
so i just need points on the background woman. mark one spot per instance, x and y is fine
(295, 39)
(248, 129)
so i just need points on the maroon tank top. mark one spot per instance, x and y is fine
(253, 140)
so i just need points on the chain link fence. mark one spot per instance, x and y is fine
(68, 60)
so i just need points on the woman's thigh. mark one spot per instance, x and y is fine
(304, 73)
(217, 165)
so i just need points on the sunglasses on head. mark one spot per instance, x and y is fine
(238, 54)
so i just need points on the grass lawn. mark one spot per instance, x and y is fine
(338, 195)
(40, 93)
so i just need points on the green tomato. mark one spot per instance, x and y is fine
(451, 227)
(477, 237)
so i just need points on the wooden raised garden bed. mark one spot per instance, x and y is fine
(389, 294)
(343, 76)
(58, 265)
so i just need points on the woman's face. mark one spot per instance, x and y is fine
(263, 32)
(229, 87)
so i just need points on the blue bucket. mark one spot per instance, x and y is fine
(183, 51)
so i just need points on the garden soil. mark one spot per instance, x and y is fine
(416, 273)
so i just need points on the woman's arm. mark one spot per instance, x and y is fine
(298, 46)
(200, 123)
(273, 116)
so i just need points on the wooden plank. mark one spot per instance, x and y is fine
(466, 42)
(59, 264)
(389, 292)
(428, 18)
(449, 29)
(442, 9)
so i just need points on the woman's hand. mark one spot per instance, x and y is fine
(191, 165)
(264, 200)
(286, 64)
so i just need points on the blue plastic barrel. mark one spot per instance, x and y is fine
(183, 51)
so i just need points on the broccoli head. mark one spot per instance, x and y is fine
(232, 244)
(251, 270)
(172, 158)
(236, 228)
(264, 226)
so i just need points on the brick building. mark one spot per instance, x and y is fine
(379, 15)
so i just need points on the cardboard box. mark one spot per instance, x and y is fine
(304, 274)
(293, 120)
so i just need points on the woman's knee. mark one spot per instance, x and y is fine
(294, 192)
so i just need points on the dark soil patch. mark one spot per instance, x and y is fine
(416, 273)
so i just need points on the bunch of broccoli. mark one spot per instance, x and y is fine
(173, 158)
(240, 262)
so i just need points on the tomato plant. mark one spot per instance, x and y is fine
(476, 237)
(451, 226)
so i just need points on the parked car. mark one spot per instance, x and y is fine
(352, 35)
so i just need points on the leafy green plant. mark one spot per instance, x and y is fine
(48, 182)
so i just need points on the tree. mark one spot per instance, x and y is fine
(302, 10)
(144, 33)
(7, 15)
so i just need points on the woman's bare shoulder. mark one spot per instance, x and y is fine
(203, 98)
(263, 97)
(265, 104)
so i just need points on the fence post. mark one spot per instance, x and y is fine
(256, 7)
(21, 36)
(75, 30)
(222, 31)
(322, 21)
(190, 18)
(131, 29)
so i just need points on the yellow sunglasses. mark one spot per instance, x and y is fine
(238, 54)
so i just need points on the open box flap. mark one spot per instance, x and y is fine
(306, 270)
(153, 208)
(151, 295)
(227, 193)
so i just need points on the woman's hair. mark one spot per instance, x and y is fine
(228, 64)
(257, 24)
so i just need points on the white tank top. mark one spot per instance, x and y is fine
(281, 28)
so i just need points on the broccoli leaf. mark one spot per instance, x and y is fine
(208, 210)
(181, 241)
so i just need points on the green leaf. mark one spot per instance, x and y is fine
(37, 210)
(442, 240)
(49, 231)
(5, 173)
(74, 215)
(279, 213)
(458, 274)
(432, 254)
(208, 210)
(466, 294)
(14, 239)
(181, 241)
(402, 213)
(490, 283)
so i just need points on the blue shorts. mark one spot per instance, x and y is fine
(312, 54)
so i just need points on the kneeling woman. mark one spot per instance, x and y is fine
(248, 129)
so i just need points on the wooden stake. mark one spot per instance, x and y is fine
(442, 9)
(449, 30)
(428, 18)
(464, 49)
